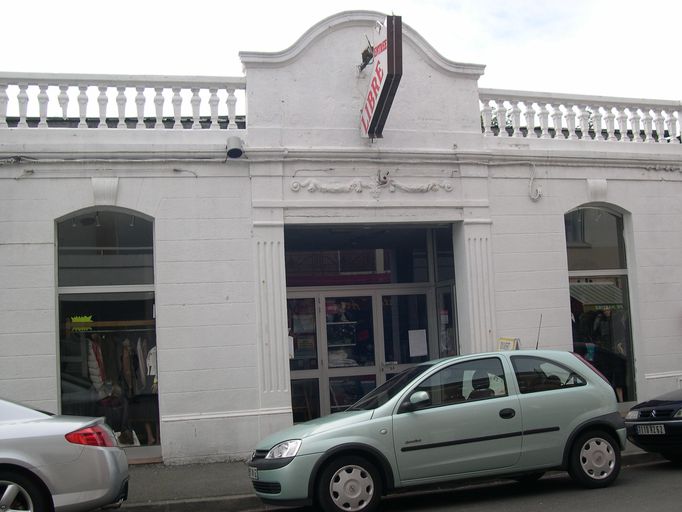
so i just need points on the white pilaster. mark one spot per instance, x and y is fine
(272, 321)
(475, 290)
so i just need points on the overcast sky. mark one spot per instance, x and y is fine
(627, 48)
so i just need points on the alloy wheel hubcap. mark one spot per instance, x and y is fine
(597, 458)
(13, 497)
(351, 488)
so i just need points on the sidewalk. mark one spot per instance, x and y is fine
(224, 487)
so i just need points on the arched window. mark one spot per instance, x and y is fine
(107, 348)
(600, 306)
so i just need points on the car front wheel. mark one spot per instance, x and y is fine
(595, 459)
(349, 483)
(18, 492)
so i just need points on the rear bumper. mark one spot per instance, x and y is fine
(120, 497)
(97, 479)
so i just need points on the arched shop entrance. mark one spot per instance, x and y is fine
(363, 303)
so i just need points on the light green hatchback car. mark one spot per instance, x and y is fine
(513, 414)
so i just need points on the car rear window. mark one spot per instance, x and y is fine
(535, 374)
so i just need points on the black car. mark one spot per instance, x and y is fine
(656, 425)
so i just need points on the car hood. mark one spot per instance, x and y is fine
(672, 398)
(316, 426)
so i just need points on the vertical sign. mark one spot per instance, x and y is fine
(387, 69)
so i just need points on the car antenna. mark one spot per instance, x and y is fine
(537, 343)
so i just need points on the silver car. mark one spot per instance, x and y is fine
(60, 463)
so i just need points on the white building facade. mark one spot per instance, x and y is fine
(200, 301)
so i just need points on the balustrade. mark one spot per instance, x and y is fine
(514, 114)
(120, 102)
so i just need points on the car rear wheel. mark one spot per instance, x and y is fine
(349, 483)
(595, 459)
(18, 492)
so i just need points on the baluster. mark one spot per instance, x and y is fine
(501, 116)
(671, 122)
(139, 104)
(557, 119)
(659, 123)
(622, 119)
(177, 108)
(22, 98)
(584, 119)
(121, 104)
(213, 102)
(487, 117)
(635, 124)
(4, 99)
(82, 106)
(543, 116)
(231, 110)
(196, 103)
(529, 115)
(158, 106)
(102, 101)
(597, 123)
(43, 99)
(570, 122)
(610, 119)
(515, 117)
(63, 100)
(647, 122)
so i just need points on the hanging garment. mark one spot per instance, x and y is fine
(127, 367)
(141, 363)
(96, 366)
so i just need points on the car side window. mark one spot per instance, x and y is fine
(536, 374)
(471, 380)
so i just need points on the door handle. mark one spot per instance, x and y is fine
(507, 413)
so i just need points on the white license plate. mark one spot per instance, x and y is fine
(253, 473)
(651, 430)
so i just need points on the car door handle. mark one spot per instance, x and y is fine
(507, 413)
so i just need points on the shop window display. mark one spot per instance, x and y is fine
(109, 365)
(600, 309)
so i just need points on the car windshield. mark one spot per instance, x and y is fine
(379, 396)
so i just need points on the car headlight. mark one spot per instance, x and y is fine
(284, 449)
(632, 415)
(678, 414)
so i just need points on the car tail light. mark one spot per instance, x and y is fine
(96, 435)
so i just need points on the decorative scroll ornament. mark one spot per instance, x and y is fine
(333, 188)
(425, 187)
(375, 189)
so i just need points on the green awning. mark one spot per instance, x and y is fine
(595, 294)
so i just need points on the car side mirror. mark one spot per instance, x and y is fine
(419, 398)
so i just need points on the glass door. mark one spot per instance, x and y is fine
(350, 348)
(304, 361)
(343, 346)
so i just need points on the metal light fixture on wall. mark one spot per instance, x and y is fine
(235, 147)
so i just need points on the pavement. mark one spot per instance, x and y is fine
(225, 486)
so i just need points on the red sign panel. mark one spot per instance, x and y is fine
(387, 69)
